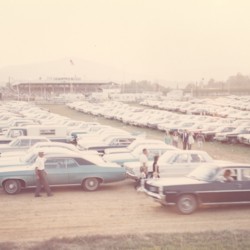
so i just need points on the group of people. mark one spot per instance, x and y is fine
(145, 171)
(187, 139)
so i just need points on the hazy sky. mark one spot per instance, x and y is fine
(175, 40)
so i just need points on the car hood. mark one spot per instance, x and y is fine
(10, 161)
(174, 181)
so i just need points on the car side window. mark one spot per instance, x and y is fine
(221, 174)
(16, 143)
(34, 141)
(246, 174)
(24, 143)
(181, 158)
(82, 161)
(54, 163)
(195, 158)
(114, 142)
(71, 163)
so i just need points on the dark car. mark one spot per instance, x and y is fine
(203, 186)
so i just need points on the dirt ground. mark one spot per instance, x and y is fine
(114, 209)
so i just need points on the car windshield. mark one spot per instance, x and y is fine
(204, 173)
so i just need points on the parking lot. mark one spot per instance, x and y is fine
(114, 209)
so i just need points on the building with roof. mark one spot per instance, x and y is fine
(60, 85)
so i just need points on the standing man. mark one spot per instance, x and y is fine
(41, 176)
(143, 170)
(185, 139)
(144, 162)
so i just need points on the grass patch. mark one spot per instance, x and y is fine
(174, 241)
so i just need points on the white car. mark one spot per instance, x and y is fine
(22, 143)
(244, 138)
(133, 145)
(134, 156)
(173, 163)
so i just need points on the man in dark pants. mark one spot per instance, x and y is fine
(41, 176)
(185, 139)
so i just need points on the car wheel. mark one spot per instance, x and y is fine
(91, 184)
(12, 186)
(186, 204)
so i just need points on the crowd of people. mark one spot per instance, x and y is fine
(187, 139)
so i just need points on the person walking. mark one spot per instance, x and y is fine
(41, 176)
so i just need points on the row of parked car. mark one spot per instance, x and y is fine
(223, 129)
(90, 163)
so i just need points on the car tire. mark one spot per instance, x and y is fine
(91, 184)
(186, 204)
(12, 186)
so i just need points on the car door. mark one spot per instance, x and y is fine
(79, 169)
(223, 192)
(57, 171)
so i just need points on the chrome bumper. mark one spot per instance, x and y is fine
(131, 176)
(158, 197)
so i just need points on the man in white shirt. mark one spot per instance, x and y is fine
(144, 162)
(143, 170)
(41, 176)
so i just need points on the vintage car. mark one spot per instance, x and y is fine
(134, 155)
(67, 169)
(203, 186)
(172, 163)
(244, 138)
(117, 141)
(133, 145)
(22, 143)
(231, 137)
